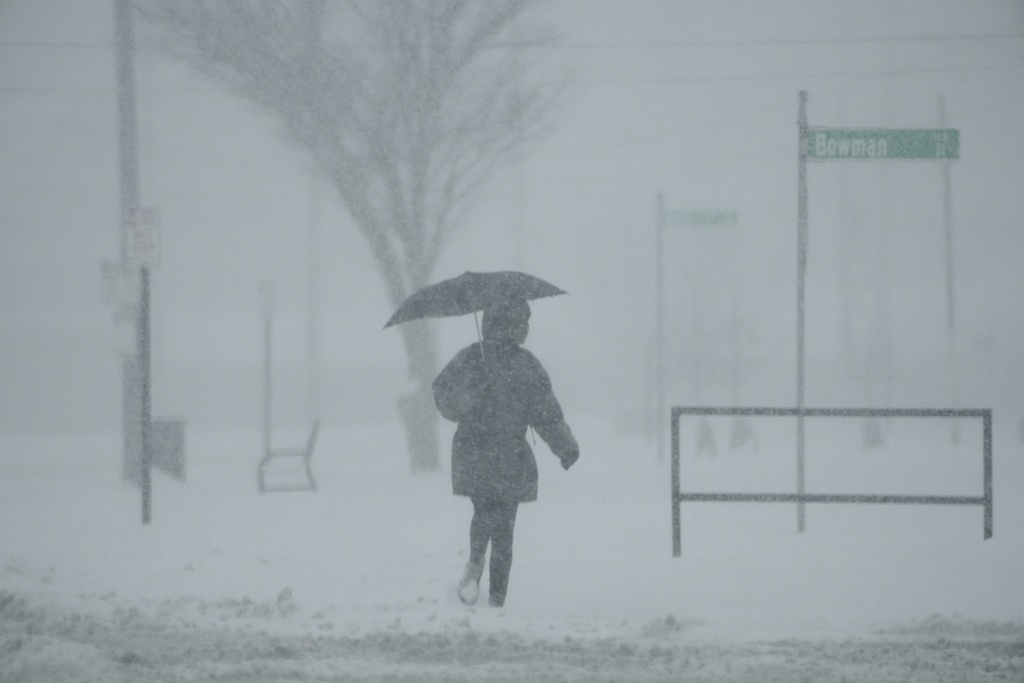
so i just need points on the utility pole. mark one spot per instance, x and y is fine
(129, 164)
(314, 21)
(519, 179)
(128, 130)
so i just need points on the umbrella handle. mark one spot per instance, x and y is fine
(479, 337)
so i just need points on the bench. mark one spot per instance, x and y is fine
(299, 458)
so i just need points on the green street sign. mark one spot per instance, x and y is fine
(882, 143)
(713, 217)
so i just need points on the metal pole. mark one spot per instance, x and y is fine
(144, 361)
(129, 177)
(659, 324)
(266, 385)
(801, 272)
(127, 132)
(676, 525)
(950, 299)
(650, 419)
(266, 303)
(987, 438)
(313, 304)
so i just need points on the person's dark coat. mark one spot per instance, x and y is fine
(495, 394)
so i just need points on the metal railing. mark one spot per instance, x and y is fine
(801, 497)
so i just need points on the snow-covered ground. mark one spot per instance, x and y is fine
(355, 582)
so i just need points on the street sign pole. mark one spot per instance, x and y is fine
(706, 218)
(950, 299)
(801, 273)
(844, 144)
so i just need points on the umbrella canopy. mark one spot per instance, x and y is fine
(469, 293)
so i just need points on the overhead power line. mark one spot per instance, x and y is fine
(602, 82)
(796, 75)
(643, 45)
(781, 42)
(52, 44)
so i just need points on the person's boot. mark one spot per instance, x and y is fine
(501, 564)
(469, 586)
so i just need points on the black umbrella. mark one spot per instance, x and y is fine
(469, 293)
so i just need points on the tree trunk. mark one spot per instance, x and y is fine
(419, 416)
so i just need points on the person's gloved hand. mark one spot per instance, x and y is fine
(569, 458)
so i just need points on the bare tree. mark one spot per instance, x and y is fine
(406, 106)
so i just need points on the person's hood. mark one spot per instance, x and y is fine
(500, 322)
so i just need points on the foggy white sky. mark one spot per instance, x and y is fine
(695, 100)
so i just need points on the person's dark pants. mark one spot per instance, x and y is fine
(493, 521)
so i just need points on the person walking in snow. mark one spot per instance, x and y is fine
(494, 389)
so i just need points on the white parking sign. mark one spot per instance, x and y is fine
(142, 237)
